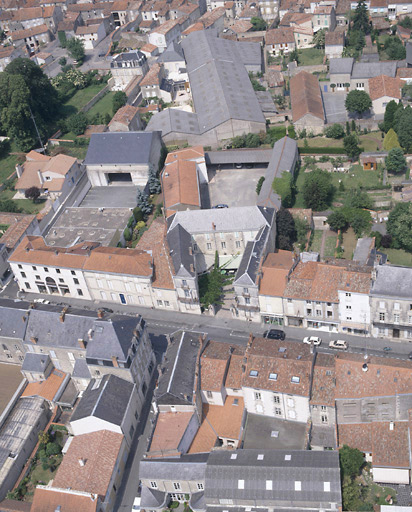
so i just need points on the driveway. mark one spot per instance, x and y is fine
(234, 187)
(334, 104)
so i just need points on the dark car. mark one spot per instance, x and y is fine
(221, 206)
(107, 310)
(410, 355)
(274, 334)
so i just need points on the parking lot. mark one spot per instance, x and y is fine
(111, 197)
(234, 187)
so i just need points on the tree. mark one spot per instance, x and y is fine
(24, 91)
(358, 102)
(284, 187)
(153, 182)
(319, 39)
(394, 48)
(399, 225)
(397, 117)
(286, 232)
(351, 146)
(390, 110)
(143, 203)
(395, 161)
(62, 61)
(337, 220)
(386, 241)
(360, 20)
(318, 190)
(358, 198)
(404, 130)
(335, 131)
(77, 123)
(127, 233)
(32, 193)
(351, 461)
(391, 140)
(137, 214)
(360, 220)
(43, 437)
(8, 205)
(258, 24)
(75, 47)
(210, 286)
(259, 185)
(406, 22)
(53, 449)
(294, 56)
(119, 100)
(355, 42)
(62, 38)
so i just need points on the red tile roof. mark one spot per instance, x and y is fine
(279, 36)
(382, 85)
(305, 96)
(169, 430)
(214, 363)
(274, 273)
(46, 388)
(49, 499)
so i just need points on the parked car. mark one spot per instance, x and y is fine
(387, 349)
(138, 499)
(41, 301)
(107, 310)
(239, 166)
(221, 206)
(339, 344)
(410, 355)
(274, 334)
(312, 339)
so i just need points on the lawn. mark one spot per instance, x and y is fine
(398, 257)
(321, 142)
(330, 246)
(372, 141)
(349, 243)
(103, 106)
(74, 151)
(26, 205)
(316, 241)
(311, 56)
(82, 97)
(7, 167)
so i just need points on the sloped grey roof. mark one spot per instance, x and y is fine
(392, 281)
(174, 120)
(341, 66)
(266, 101)
(13, 319)
(179, 241)
(409, 53)
(132, 55)
(249, 264)
(173, 53)
(177, 379)
(190, 467)
(372, 69)
(220, 85)
(363, 250)
(120, 148)
(238, 156)
(81, 370)
(35, 362)
(106, 399)
(250, 53)
(311, 468)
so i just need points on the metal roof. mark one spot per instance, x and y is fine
(238, 156)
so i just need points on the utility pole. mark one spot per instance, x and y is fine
(37, 131)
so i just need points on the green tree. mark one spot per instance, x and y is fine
(286, 233)
(53, 449)
(75, 47)
(137, 214)
(32, 193)
(404, 130)
(351, 494)
(259, 185)
(399, 225)
(258, 24)
(358, 102)
(211, 285)
(318, 190)
(391, 140)
(337, 220)
(351, 146)
(294, 56)
(119, 100)
(397, 117)
(8, 205)
(43, 438)
(335, 131)
(301, 228)
(358, 198)
(360, 20)
(360, 220)
(395, 161)
(351, 461)
(77, 123)
(394, 48)
(354, 43)
(284, 187)
(406, 22)
(153, 182)
(127, 233)
(319, 39)
(390, 110)
(143, 203)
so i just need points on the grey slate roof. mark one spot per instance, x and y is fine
(173, 53)
(81, 370)
(409, 54)
(189, 467)
(120, 148)
(392, 281)
(363, 250)
(13, 319)
(107, 399)
(132, 55)
(240, 218)
(310, 468)
(177, 380)
(179, 241)
(35, 362)
(220, 85)
(372, 69)
(266, 101)
(238, 156)
(341, 66)
(174, 120)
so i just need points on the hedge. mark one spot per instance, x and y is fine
(322, 151)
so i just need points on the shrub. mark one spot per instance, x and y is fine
(137, 214)
(259, 184)
(127, 234)
(77, 123)
(335, 131)
(53, 449)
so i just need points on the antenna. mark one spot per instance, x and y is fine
(37, 131)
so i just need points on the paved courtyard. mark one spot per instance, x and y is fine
(334, 104)
(234, 187)
(111, 197)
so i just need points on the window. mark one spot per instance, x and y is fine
(167, 303)
(27, 285)
(73, 273)
(289, 301)
(23, 274)
(323, 407)
(222, 235)
(176, 486)
(187, 293)
(382, 304)
(268, 485)
(348, 294)
(276, 399)
(34, 268)
(295, 380)
(160, 303)
(308, 312)
(236, 234)
(308, 302)
(381, 331)
(278, 411)
(246, 290)
(58, 271)
(247, 300)
(75, 280)
(348, 307)
(381, 317)
(258, 395)
(324, 418)
(329, 314)
(110, 285)
(52, 353)
(273, 376)
(237, 244)
(223, 245)
(209, 246)
(200, 487)
(38, 277)
(253, 373)
(20, 266)
(79, 292)
(396, 305)
(153, 485)
(209, 394)
(318, 312)
(291, 402)
(396, 318)
(184, 282)
(103, 295)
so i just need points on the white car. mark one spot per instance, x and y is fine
(136, 503)
(339, 344)
(41, 301)
(312, 339)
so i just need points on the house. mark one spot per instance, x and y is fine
(128, 65)
(94, 463)
(391, 302)
(13, 323)
(307, 105)
(214, 19)
(32, 38)
(8, 54)
(47, 498)
(272, 284)
(28, 17)
(156, 85)
(378, 8)
(136, 153)
(149, 50)
(126, 119)
(324, 16)
(168, 32)
(357, 74)
(334, 43)
(382, 90)
(174, 66)
(91, 35)
(53, 176)
(301, 24)
(223, 108)
(280, 41)
(69, 24)
(15, 227)
(109, 403)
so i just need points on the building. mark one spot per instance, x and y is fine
(13, 324)
(8, 54)
(48, 498)
(32, 38)
(125, 157)
(307, 105)
(382, 90)
(126, 119)
(280, 41)
(324, 16)
(128, 65)
(223, 107)
(174, 66)
(54, 176)
(94, 464)
(156, 85)
(109, 403)
(92, 34)
(334, 43)
(345, 71)
(169, 31)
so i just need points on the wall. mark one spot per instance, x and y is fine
(391, 475)
(95, 99)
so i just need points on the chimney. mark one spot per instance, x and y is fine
(19, 170)
(190, 250)
(213, 226)
(136, 333)
(63, 314)
(81, 343)
(33, 339)
(249, 341)
(100, 313)
(192, 268)
(90, 334)
(82, 462)
(40, 176)
(23, 318)
(114, 361)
